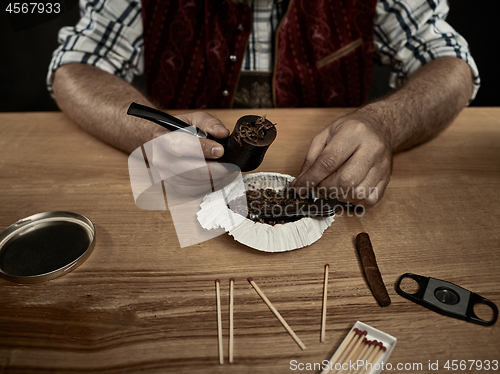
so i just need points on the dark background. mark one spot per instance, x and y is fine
(28, 43)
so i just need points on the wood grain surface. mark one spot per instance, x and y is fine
(141, 303)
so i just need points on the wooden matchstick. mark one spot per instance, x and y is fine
(357, 348)
(277, 314)
(219, 321)
(377, 352)
(368, 352)
(373, 352)
(354, 351)
(349, 348)
(323, 317)
(340, 351)
(231, 323)
(364, 348)
(364, 357)
(377, 357)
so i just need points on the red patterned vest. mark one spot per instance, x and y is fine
(194, 50)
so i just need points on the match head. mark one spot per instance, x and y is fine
(355, 330)
(384, 349)
(250, 279)
(231, 279)
(370, 342)
(217, 280)
(364, 333)
(365, 340)
(327, 265)
(374, 342)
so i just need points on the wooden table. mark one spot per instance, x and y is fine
(143, 303)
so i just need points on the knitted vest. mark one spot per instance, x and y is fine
(194, 50)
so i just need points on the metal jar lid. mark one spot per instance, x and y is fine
(45, 246)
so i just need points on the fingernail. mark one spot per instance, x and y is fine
(217, 151)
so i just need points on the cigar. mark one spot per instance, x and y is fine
(372, 273)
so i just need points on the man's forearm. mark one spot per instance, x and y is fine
(425, 105)
(98, 102)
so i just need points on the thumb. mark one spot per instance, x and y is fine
(305, 166)
(211, 149)
(185, 145)
(207, 123)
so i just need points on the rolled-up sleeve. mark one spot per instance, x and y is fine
(108, 36)
(410, 33)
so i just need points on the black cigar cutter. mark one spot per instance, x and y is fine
(447, 298)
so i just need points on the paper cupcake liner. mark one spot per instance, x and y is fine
(214, 213)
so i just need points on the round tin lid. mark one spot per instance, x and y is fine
(45, 246)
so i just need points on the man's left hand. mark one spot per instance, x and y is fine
(351, 158)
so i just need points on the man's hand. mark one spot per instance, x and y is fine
(98, 102)
(180, 157)
(354, 154)
(350, 159)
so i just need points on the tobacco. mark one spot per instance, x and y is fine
(253, 131)
(261, 199)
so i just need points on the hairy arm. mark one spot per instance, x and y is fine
(353, 155)
(98, 101)
(425, 105)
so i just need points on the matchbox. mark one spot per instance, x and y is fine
(353, 348)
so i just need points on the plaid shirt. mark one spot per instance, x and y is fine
(408, 33)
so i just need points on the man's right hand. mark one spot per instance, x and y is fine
(180, 157)
(98, 101)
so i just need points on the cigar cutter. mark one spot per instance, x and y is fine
(447, 298)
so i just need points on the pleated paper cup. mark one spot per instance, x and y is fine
(214, 213)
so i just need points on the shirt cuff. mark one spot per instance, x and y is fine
(77, 57)
(431, 51)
